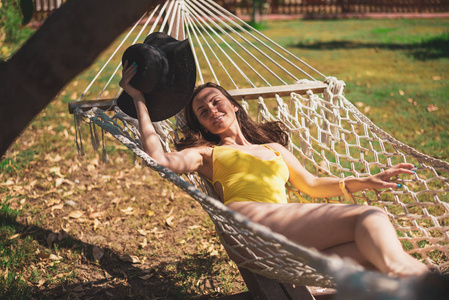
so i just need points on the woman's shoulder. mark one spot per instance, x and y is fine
(201, 150)
(286, 154)
(205, 152)
(276, 146)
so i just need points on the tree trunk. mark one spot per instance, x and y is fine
(67, 43)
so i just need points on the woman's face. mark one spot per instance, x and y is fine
(213, 110)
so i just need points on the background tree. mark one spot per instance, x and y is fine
(67, 43)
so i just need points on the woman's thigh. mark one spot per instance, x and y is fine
(314, 225)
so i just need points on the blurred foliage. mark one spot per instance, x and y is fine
(14, 15)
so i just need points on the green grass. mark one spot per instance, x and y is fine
(15, 255)
(397, 69)
(15, 165)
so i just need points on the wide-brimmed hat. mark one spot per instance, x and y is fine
(166, 75)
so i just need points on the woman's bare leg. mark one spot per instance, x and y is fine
(327, 227)
(350, 250)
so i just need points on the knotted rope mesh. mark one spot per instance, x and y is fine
(349, 144)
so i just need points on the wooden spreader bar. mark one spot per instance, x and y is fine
(281, 90)
(247, 94)
(85, 105)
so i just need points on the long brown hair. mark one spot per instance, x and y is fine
(256, 133)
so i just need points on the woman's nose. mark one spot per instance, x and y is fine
(212, 110)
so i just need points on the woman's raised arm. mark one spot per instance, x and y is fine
(189, 160)
(322, 187)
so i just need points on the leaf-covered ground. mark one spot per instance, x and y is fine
(103, 230)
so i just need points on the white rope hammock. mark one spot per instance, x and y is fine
(328, 134)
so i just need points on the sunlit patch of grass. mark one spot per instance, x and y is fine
(15, 164)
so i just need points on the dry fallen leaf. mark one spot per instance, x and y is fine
(94, 215)
(57, 158)
(14, 236)
(142, 232)
(5, 274)
(56, 171)
(59, 206)
(55, 257)
(128, 210)
(96, 224)
(76, 214)
(41, 282)
(146, 277)
(195, 226)
(97, 252)
(41, 255)
(69, 202)
(149, 213)
(60, 181)
(169, 221)
(60, 275)
(431, 108)
(130, 258)
(144, 243)
(411, 101)
(9, 182)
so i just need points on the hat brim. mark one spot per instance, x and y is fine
(165, 101)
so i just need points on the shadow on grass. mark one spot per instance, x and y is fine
(120, 279)
(431, 48)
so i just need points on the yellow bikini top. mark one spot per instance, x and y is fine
(245, 177)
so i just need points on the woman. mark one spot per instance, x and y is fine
(220, 132)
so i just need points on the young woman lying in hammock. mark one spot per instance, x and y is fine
(249, 166)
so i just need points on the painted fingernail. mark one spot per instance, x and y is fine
(414, 171)
(399, 185)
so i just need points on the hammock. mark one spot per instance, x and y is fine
(327, 133)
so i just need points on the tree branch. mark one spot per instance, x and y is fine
(67, 43)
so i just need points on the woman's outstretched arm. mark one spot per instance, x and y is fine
(320, 187)
(189, 160)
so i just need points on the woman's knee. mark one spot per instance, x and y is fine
(374, 216)
(373, 211)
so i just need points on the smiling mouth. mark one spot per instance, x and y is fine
(218, 119)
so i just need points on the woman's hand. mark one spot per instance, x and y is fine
(383, 179)
(128, 72)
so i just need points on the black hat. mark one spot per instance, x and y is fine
(166, 75)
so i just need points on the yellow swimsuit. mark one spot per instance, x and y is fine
(245, 177)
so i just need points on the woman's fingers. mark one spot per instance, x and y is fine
(403, 166)
(128, 72)
(386, 178)
(394, 172)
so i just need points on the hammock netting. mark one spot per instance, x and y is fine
(327, 134)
